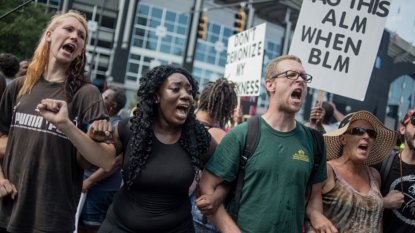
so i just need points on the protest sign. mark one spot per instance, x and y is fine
(337, 41)
(244, 60)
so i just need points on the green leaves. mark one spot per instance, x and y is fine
(21, 30)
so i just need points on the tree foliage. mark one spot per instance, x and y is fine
(21, 30)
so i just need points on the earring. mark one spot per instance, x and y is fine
(157, 101)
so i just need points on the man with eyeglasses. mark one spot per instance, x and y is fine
(398, 182)
(275, 181)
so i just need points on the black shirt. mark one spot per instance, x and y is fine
(158, 199)
(40, 160)
(402, 219)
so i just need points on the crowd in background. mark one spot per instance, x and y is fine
(172, 167)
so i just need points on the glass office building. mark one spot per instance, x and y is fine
(159, 37)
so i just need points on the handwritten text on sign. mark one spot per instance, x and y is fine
(337, 41)
(244, 60)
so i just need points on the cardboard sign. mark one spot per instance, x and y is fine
(337, 42)
(244, 60)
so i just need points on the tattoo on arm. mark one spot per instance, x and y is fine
(309, 228)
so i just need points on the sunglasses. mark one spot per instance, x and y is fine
(412, 119)
(361, 131)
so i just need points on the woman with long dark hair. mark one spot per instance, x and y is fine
(164, 147)
(41, 176)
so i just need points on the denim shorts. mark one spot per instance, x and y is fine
(96, 207)
(197, 219)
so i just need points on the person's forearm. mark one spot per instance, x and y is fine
(99, 154)
(220, 218)
(3, 145)
(222, 191)
(100, 174)
(223, 221)
(1, 173)
(338, 115)
(308, 227)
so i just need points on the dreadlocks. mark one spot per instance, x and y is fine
(219, 100)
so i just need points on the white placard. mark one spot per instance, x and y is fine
(337, 41)
(244, 60)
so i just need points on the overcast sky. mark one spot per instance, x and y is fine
(401, 19)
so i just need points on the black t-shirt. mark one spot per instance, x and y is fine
(402, 219)
(158, 200)
(40, 160)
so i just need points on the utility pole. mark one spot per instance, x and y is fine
(94, 76)
(191, 42)
(251, 14)
(287, 31)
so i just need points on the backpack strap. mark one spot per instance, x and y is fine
(386, 167)
(318, 157)
(252, 138)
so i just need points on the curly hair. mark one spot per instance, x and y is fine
(9, 65)
(219, 100)
(75, 75)
(194, 139)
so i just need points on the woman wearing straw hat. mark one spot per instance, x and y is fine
(351, 196)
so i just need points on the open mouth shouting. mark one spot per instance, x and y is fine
(69, 48)
(363, 148)
(296, 95)
(182, 110)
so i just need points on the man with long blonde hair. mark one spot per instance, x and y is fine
(41, 176)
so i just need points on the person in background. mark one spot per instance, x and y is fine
(43, 162)
(317, 114)
(351, 198)
(336, 113)
(100, 185)
(9, 66)
(216, 107)
(236, 119)
(2, 84)
(398, 187)
(23, 65)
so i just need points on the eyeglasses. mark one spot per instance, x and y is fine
(412, 119)
(293, 75)
(104, 96)
(361, 131)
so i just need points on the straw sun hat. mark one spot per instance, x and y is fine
(382, 145)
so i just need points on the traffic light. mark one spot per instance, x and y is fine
(240, 20)
(203, 21)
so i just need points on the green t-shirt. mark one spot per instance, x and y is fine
(273, 195)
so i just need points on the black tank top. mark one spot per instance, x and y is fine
(158, 200)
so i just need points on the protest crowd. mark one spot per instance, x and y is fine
(172, 167)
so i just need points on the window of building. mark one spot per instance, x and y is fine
(378, 62)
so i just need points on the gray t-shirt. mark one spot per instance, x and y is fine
(40, 160)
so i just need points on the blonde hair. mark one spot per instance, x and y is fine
(41, 56)
(271, 69)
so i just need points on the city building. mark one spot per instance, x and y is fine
(129, 37)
